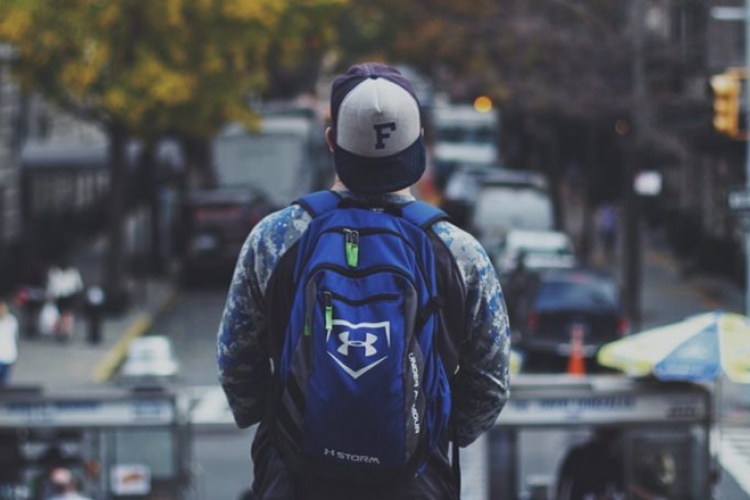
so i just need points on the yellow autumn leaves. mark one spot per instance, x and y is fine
(158, 65)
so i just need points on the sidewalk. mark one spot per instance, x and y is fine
(667, 293)
(50, 363)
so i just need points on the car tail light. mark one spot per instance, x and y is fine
(218, 214)
(254, 219)
(622, 327)
(532, 321)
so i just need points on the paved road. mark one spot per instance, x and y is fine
(222, 453)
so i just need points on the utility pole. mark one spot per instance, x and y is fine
(632, 261)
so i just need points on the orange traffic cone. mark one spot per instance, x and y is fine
(576, 361)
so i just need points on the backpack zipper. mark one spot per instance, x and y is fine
(359, 273)
(368, 232)
(366, 300)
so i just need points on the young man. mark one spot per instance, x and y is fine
(64, 486)
(8, 342)
(377, 142)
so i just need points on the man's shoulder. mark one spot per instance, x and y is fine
(473, 263)
(280, 227)
(276, 221)
(271, 238)
(463, 246)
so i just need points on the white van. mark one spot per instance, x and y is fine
(464, 135)
(501, 208)
(541, 250)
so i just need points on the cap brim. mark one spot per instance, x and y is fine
(381, 175)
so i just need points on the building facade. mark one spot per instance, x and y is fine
(10, 213)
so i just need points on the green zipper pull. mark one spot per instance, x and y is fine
(307, 331)
(352, 247)
(329, 310)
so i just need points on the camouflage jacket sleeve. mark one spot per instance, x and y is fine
(242, 345)
(482, 384)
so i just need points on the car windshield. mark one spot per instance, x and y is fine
(480, 135)
(583, 294)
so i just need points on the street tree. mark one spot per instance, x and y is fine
(148, 69)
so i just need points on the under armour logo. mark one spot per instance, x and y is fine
(357, 348)
(367, 344)
(381, 134)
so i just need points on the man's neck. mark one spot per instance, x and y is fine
(339, 186)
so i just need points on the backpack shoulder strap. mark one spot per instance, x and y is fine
(319, 202)
(422, 214)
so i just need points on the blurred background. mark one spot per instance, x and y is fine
(597, 149)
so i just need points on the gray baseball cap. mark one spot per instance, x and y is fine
(377, 127)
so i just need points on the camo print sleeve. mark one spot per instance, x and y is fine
(242, 347)
(482, 385)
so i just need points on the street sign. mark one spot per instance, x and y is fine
(739, 201)
(726, 13)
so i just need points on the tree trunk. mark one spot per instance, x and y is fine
(198, 157)
(151, 177)
(114, 271)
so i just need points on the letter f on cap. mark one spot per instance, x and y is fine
(381, 134)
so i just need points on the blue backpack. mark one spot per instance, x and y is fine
(364, 392)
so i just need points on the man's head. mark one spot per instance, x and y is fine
(376, 130)
(62, 480)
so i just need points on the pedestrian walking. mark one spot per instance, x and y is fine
(593, 469)
(518, 285)
(94, 312)
(64, 286)
(8, 342)
(32, 296)
(64, 486)
(363, 330)
(607, 224)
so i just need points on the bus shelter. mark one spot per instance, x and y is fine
(118, 443)
(656, 436)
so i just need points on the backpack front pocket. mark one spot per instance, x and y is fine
(361, 324)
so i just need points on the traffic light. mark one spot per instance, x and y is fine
(726, 88)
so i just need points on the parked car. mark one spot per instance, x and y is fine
(150, 357)
(460, 193)
(538, 249)
(559, 302)
(463, 134)
(256, 173)
(503, 204)
(216, 224)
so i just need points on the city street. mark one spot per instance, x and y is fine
(598, 153)
(222, 451)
